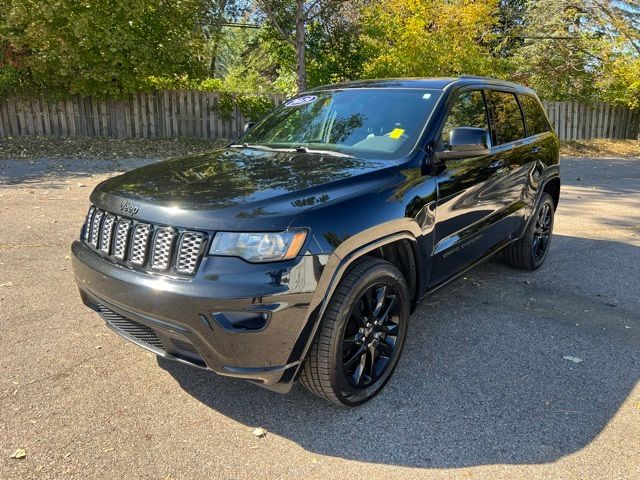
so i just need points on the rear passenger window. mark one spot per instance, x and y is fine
(534, 115)
(468, 110)
(506, 117)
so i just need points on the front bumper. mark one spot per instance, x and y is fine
(186, 319)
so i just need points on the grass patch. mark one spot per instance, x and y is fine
(600, 147)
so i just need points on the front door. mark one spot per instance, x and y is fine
(470, 195)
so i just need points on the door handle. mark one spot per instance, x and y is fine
(535, 149)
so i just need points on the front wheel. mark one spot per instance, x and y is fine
(361, 336)
(530, 250)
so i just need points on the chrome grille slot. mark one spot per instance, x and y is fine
(162, 247)
(94, 236)
(122, 239)
(140, 243)
(107, 233)
(189, 252)
(144, 246)
(87, 223)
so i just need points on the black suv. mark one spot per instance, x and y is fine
(300, 250)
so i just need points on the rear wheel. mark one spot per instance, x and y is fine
(530, 251)
(361, 336)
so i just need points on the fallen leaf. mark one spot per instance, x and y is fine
(259, 432)
(572, 359)
(19, 453)
(8, 284)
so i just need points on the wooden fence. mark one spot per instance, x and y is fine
(170, 114)
(576, 120)
(164, 114)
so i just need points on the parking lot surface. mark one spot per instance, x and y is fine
(482, 390)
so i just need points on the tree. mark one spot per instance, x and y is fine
(290, 18)
(429, 37)
(102, 47)
(585, 50)
(334, 48)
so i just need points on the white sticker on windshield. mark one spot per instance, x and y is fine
(426, 96)
(296, 102)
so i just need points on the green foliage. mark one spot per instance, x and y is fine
(622, 82)
(335, 51)
(580, 51)
(102, 47)
(9, 80)
(565, 49)
(429, 37)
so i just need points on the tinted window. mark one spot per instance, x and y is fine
(534, 115)
(468, 110)
(506, 117)
(382, 123)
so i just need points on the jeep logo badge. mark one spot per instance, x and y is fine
(126, 207)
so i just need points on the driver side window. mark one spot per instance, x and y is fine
(468, 110)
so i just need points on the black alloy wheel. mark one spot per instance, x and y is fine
(542, 232)
(530, 250)
(371, 335)
(361, 336)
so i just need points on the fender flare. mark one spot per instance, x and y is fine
(534, 204)
(336, 267)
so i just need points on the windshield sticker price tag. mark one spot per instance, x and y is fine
(396, 133)
(296, 102)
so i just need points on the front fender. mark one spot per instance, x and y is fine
(334, 270)
(349, 229)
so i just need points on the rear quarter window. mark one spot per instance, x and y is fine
(534, 115)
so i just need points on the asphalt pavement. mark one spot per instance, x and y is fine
(483, 389)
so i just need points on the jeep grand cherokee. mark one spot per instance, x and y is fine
(300, 250)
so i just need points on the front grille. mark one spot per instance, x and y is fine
(144, 245)
(129, 328)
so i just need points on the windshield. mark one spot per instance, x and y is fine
(380, 123)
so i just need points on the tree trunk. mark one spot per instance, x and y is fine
(301, 64)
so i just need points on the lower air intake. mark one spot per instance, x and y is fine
(129, 328)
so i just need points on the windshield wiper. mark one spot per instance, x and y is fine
(298, 149)
(259, 147)
(305, 149)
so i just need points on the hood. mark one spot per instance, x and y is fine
(236, 189)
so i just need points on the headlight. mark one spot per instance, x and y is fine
(258, 247)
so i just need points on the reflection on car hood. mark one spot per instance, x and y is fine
(231, 187)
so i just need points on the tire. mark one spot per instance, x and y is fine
(530, 250)
(351, 330)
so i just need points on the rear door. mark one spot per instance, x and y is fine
(541, 145)
(514, 151)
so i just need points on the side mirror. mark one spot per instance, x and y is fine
(465, 142)
(248, 125)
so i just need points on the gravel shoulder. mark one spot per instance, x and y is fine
(482, 390)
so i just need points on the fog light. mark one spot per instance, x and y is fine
(241, 321)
